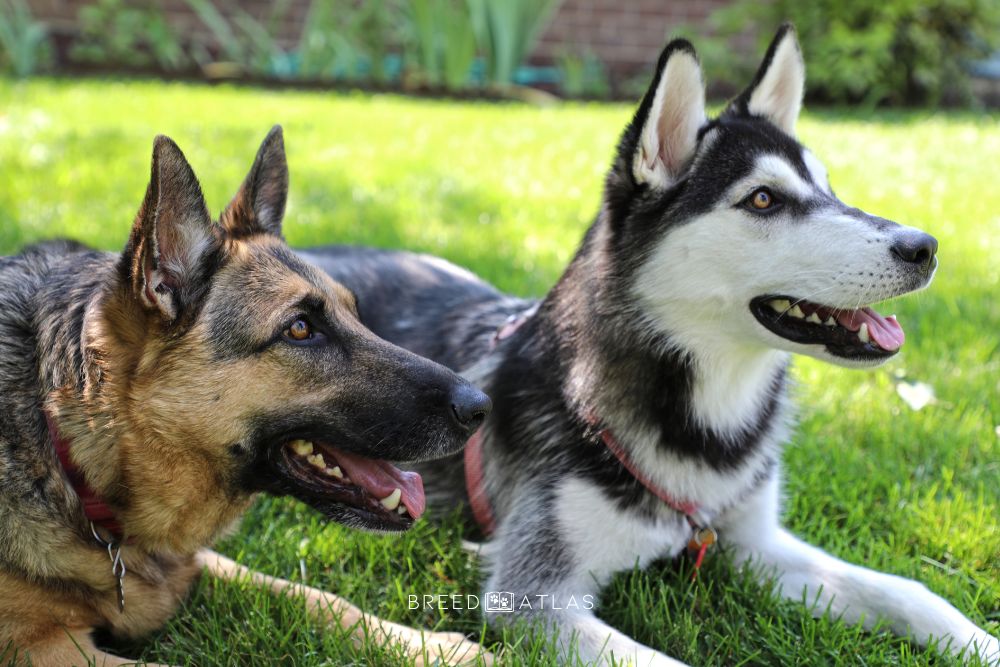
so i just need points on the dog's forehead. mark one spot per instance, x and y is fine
(736, 148)
(273, 271)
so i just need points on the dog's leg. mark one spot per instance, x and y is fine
(551, 552)
(65, 648)
(856, 594)
(425, 647)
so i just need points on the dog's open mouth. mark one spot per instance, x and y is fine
(859, 333)
(380, 495)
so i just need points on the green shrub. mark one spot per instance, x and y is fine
(583, 76)
(441, 41)
(899, 52)
(506, 31)
(352, 41)
(112, 33)
(24, 43)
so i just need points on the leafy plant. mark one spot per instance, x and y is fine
(262, 50)
(230, 46)
(902, 52)
(443, 41)
(506, 31)
(583, 76)
(373, 29)
(351, 40)
(24, 45)
(243, 39)
(113, 33)
(323, 50)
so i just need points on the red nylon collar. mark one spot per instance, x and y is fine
(686, 507)
(479, 501)
(475, 486)
(702, 536)
(96, 510)
(482, 510)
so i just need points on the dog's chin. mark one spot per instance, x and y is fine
(821, 353)
(356, 491)
(853, 338)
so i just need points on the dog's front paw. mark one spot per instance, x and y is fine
(987, 648)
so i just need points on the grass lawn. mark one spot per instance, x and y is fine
(508, 191)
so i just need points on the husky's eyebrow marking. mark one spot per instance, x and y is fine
(775, 170)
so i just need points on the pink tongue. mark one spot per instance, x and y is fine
(381, 478)
(884, 331)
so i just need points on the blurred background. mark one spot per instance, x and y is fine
(870, 52)
(477, 130)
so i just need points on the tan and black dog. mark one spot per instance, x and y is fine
(147, 397)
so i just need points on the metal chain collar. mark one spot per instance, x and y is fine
(117, 564)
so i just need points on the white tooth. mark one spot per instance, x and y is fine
(863, 333)
(795, 311)
(401, 510)
(779, 305)
(391, 501)
(301, 447)
(336, 472)
(814, 318)
(830, 322)
(317, 461)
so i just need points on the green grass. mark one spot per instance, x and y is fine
(508, 191)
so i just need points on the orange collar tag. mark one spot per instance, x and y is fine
(702, 537)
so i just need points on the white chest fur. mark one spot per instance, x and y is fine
(605, 540)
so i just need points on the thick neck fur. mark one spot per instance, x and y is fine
(97, 355)
(714, 405)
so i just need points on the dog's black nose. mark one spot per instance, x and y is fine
(469, 407)
(915, 247)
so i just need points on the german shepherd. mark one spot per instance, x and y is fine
(147, 397)
(640, 407)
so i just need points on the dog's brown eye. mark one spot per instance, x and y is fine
(299, 330)
(762, 200)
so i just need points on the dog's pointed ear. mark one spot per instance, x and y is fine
(663, 136)
(259, 205)
(171, 236)
(776, 91)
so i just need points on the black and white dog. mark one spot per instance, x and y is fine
(640, 407)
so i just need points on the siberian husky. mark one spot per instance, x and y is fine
(641, 406)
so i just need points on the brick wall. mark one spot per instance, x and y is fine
(626, 35)
(61, 15)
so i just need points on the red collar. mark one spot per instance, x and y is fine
(475, 485)
(686, 507)
(96, 510)
(480, 503)
(702, 536)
